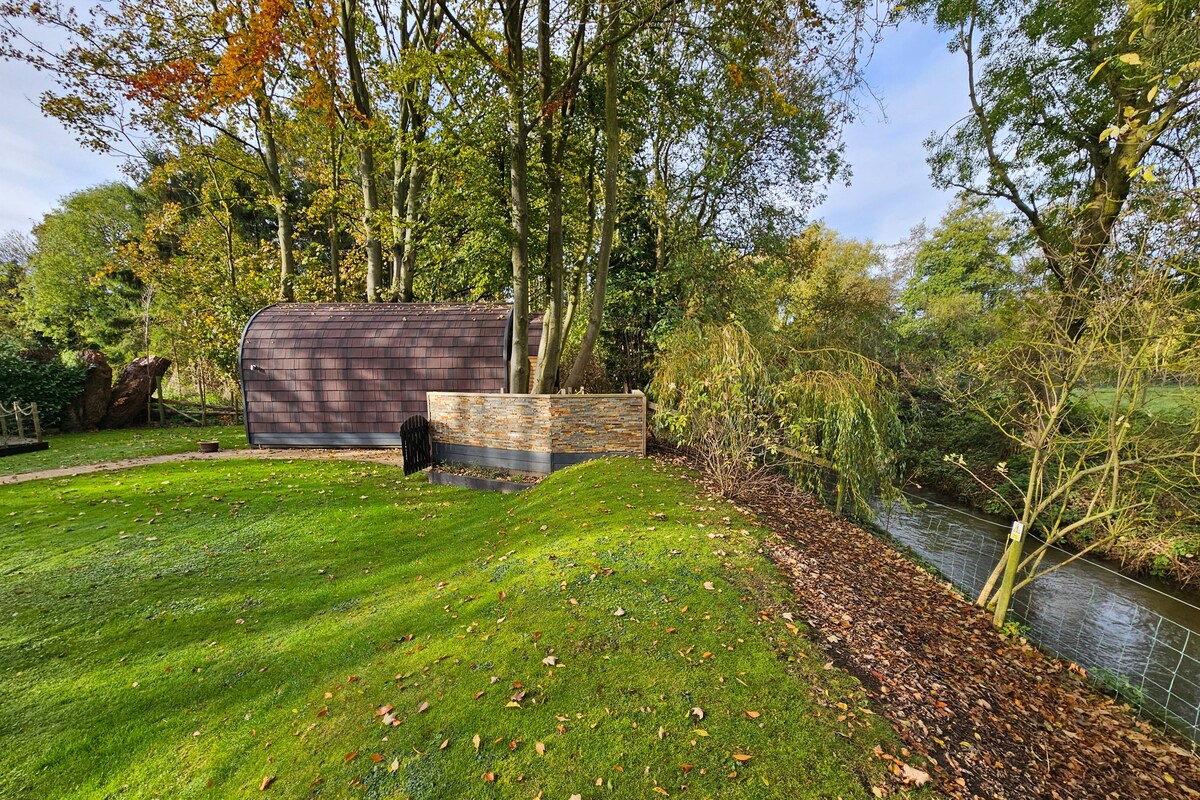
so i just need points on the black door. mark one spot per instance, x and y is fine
(417, 444)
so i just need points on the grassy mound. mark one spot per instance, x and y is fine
(335, 629)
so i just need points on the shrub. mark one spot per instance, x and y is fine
(829, 415)
(51, 383)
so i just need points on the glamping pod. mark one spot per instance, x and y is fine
(350, 374)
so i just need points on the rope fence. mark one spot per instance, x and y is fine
(20, 424)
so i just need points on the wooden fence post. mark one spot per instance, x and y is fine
(37, 423)
(17, 414)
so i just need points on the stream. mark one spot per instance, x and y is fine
(1139, 636)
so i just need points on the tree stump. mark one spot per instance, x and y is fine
(136, 383)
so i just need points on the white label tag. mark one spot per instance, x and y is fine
(1017, 530)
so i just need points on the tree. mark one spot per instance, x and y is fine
(79, 291)
(1073, 107)
(15, 250)
(959, 274)
(1098, 469)
(740, 401)
(836, 294)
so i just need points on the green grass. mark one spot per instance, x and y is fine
(1159, 399)
(76, 449)
(187, 630)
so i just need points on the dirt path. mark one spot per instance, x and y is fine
(391, 457)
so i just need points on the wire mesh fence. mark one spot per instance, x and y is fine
(1132, 638)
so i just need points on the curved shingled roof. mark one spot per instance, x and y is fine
(348, 374)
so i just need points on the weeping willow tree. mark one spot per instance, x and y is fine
(746, 403)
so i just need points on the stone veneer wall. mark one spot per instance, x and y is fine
(535, 433)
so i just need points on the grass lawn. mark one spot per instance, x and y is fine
(75, 449)
(335, 629)
(1184, 400)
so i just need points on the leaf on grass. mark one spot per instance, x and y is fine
(661, 791)
(918, 777)
(709, 585)
(266, 783)
(395, 765)
(698, 712)
(741, 757)
(490, 777)
(376, 757)
(379, 712)
(700, 732)
(686, 767)
(421, 709)
(540, 747)
(350, 756)
(475, 741)
(444, 744)
(550, 661)
(1133, 59)
(753, 714)
(620, 612)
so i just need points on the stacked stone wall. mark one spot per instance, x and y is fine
(536, 432)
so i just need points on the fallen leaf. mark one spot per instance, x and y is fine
(698, 712)
(421, 709)
(379, 712)
(741, 757)
(395, 765)
(475, 741)
(753, 714)
(376, 757)
(550, 661)
(620, 612)
(540, 747)
(709, 585)
(266, 783)
(913, 775)
(350, 756)
(444, 745)
(490, 777)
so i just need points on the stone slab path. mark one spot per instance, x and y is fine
(390, 457)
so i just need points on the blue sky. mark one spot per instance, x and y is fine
(921, 84)
(923, 89)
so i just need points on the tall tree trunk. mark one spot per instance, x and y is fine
(400, 178)
(550, 346)
(612, 158)
(283, 214)
(335, 229)
(366, 156)
(518, 138)
(366, 173)
(412, 212)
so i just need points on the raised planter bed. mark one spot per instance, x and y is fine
(13, 448)
(473, 482)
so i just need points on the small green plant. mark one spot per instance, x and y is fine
(1014, 630)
